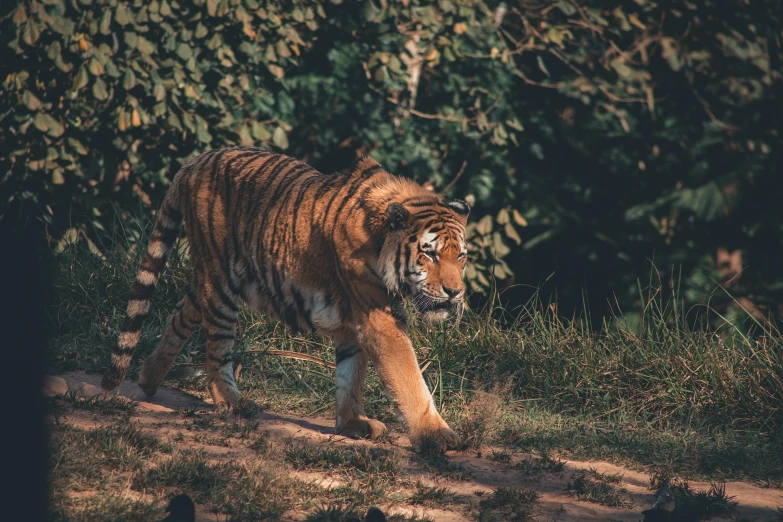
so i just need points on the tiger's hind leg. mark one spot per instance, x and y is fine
(220, 311)
(184, 320)
(352, 421)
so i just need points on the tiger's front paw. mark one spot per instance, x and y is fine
(243, 408)
(441, 438)
(359, 428)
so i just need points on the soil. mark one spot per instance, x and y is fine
(159, 415)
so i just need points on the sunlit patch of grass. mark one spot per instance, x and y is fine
(480, 420)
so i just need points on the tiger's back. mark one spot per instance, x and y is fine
(324, 253)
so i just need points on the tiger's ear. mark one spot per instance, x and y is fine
(460, 207)
(398, 216)
(366, 165)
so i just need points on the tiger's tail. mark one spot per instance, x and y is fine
(161, 241)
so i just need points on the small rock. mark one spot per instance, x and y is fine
(54, 386)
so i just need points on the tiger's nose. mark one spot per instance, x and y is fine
(453, 293)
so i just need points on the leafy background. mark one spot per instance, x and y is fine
(600, 143)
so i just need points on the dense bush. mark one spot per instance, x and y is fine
(590, 136)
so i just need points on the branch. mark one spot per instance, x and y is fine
(716, 121)
(453, 181)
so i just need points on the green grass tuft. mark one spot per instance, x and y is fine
(361, 460)
(432, 496)
(596, 490)
(508, 504)
(246, 492)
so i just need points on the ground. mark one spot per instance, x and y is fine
(297, 468)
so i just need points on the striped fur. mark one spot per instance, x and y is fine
(331, 254)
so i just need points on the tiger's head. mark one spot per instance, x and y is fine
(425, 253)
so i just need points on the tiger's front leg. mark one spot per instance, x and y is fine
(351, 371)
(392, 353)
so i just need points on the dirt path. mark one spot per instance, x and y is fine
(158, 414)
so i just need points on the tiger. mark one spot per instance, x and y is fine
(332, 254)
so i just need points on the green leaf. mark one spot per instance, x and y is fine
(31, 101)
(122, 16)
(174, 121)
(201, 30)
(20, 15)
(276, 70)
(54, 50)
(99, 90)
(618, 64)
(566, 7)
(280, 139)
(542, 66)
(129, 81)
(56, 128)
(159, 91)
(57, 176)
(31, 32)
(77, 146)
(41, 122)
(499, 246)
(512, 233)
(260, 131)
(244, 136)
(484, 226)
(106, 22)
(81, 79)
(96, 67)
(519, 218)
(201, 132)
(270, 54)
(144, 46)
(184, 51)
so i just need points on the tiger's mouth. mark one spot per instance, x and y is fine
(433, 310)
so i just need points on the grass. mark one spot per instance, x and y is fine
(363, 460)
(706, 504)
(334, 513)
(533, 466)
(480, 421)
(597, 489)
(241, 490)
(82, 458)
(99, 460)
(662, 395)
(432, 496)
(430, 452)
(508, 504)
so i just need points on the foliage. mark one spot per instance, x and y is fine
(589, 136)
